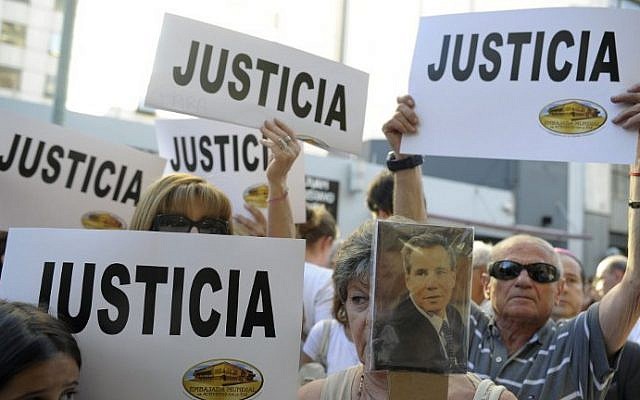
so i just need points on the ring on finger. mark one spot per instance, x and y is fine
(282, 143)
(287, 139)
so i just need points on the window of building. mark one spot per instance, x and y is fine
(13, 33)
(49, 87)
(9, 78)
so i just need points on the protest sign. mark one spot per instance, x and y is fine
(229, 156)
(162, 315)
(55, 177)
(215, 73)
(529, 84)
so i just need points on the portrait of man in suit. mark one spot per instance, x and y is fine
(424, 331)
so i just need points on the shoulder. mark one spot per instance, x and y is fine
(312, 390)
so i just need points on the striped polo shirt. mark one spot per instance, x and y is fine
(562, 361)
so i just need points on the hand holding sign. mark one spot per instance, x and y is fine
(403, 121)
(629, 118)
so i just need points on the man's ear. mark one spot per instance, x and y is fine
(486, 279)
(559, 291)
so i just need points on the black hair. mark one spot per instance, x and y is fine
(28, 336)
(380, 193)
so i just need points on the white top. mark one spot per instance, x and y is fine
(634, 335)
(317, 294)
(341, 352)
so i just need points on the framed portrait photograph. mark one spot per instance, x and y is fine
(421, 292)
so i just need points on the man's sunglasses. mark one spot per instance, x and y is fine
(179, 223)
(506, 270)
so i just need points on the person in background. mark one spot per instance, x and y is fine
(481, 257)
(39, 359)
(380, 195)
(572, 296)
(183, 203)
(319, 231)
(609, 273)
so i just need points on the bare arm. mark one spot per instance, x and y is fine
(620, 308)
(408, 198)
(281, 140)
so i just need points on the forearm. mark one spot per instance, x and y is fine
(279, 215)
(620, 308)
(409, 200)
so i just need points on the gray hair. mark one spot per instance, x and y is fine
(353, 259)
(481, 254)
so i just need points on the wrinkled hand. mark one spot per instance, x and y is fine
(281, 140)
(404, 121)
(254, 227)
(629, 118)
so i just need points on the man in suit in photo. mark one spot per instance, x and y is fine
(424, 332)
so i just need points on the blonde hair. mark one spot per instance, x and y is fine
(320, 223)
(177, 193)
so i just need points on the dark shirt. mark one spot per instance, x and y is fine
(626, 381)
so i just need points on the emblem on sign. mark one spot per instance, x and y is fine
(572, 117)
(222, 379)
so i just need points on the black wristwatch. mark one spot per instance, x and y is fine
(406, 163)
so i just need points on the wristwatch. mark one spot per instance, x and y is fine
(406, 163)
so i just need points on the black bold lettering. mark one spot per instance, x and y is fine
(175, 163)
(607, 45)
(491, 55)
(133, 190)
(298, 110)
(77, 323)
(99, 190)
(462, 74)
(320, 100)
(338, 109)
(517, 39)
(151, 276)
(232, 303)
(87, 176)
(76, 157)
(582, 57)
(207, 158)
(253, 165)
(54, 163)
(46, 284)
(243, 77)
(203, 328)
(192, 163)
(268, 68)
(433, 73)
(207, 85)
(236, 161)
(6, 164)
(253, 318)
(25, 171)
(184, 79)
(561, 74)
(221, 141)
(284, 83)
(115, 297)
(537, 56)
(175, 326)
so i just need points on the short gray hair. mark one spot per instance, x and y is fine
(481, 254)
(353, 259)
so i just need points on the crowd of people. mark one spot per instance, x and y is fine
(533, 333)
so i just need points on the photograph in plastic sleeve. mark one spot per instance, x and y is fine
(421, 284)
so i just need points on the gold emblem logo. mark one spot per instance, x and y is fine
(572, 117)
(102, 220)
(222, 379)
(257, 195)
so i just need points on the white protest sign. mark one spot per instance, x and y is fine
(55, 177)
(229, 156)
(530, 84)
(215, 73)
(168, 316)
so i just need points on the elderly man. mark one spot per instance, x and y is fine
(424, 332)
(519, 346)
(481, 256)
(609, 273)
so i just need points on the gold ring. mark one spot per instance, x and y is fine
(287, 139)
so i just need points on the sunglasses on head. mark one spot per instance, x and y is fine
(179, 223)
(506, 270)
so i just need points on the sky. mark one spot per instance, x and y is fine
(115, 41)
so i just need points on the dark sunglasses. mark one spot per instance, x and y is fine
(179, 223)
(506, 270)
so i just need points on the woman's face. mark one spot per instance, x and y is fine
(357, 307)
(53, 379)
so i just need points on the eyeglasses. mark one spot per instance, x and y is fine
(506, 270)
(179, 223)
